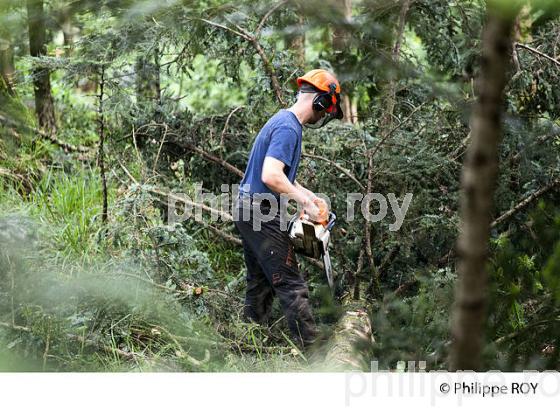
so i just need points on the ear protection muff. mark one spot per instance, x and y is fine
(325, 100)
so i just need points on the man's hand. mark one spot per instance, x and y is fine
(322, 208)
(312, 211)
(321, 204)
(320, 211)
(273, 176)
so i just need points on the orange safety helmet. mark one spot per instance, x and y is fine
(319, 78)
(328, 97)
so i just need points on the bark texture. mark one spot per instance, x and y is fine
(478, 186)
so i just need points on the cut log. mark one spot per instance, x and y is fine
(350, 345)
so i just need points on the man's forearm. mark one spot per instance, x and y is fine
(280, 184)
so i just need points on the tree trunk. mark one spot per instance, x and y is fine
(350, 345)
(478, 185)
(296, 41)
(44, 105)
(7, 71)
(6, 57)
(391, 90)
(101, 151)
(147, 80)
(148, 88)
(340, 43)
(68, 33)
(385, 127)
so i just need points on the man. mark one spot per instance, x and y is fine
(272, 267)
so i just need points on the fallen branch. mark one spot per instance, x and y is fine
(80, 339)
(523, 204)
(223, 235)
(64, 145)
(213, 158)
(224, 215)
(340, 168)
(540, 53)
(169, 195)
(530, 326)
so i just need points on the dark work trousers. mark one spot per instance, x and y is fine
(272, 269)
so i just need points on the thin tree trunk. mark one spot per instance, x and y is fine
(68, 33)
(44, 105)
(148, 87)
(101, 153)
(341, 42)
(7, 70)
(390, 93)
(296, 42)
(478, 185)
(386, 129)
(147, 79)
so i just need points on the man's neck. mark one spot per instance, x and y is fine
(299, 112)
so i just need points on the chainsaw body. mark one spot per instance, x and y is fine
(312, 239)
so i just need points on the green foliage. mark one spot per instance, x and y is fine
(135, 293)
(524, 276)
(416, 328)
(73, 203)
(207, 93)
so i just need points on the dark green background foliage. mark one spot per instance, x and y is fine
(182, 91)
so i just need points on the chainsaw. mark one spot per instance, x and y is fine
(312, 239)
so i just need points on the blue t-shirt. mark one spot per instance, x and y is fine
(279, 138)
